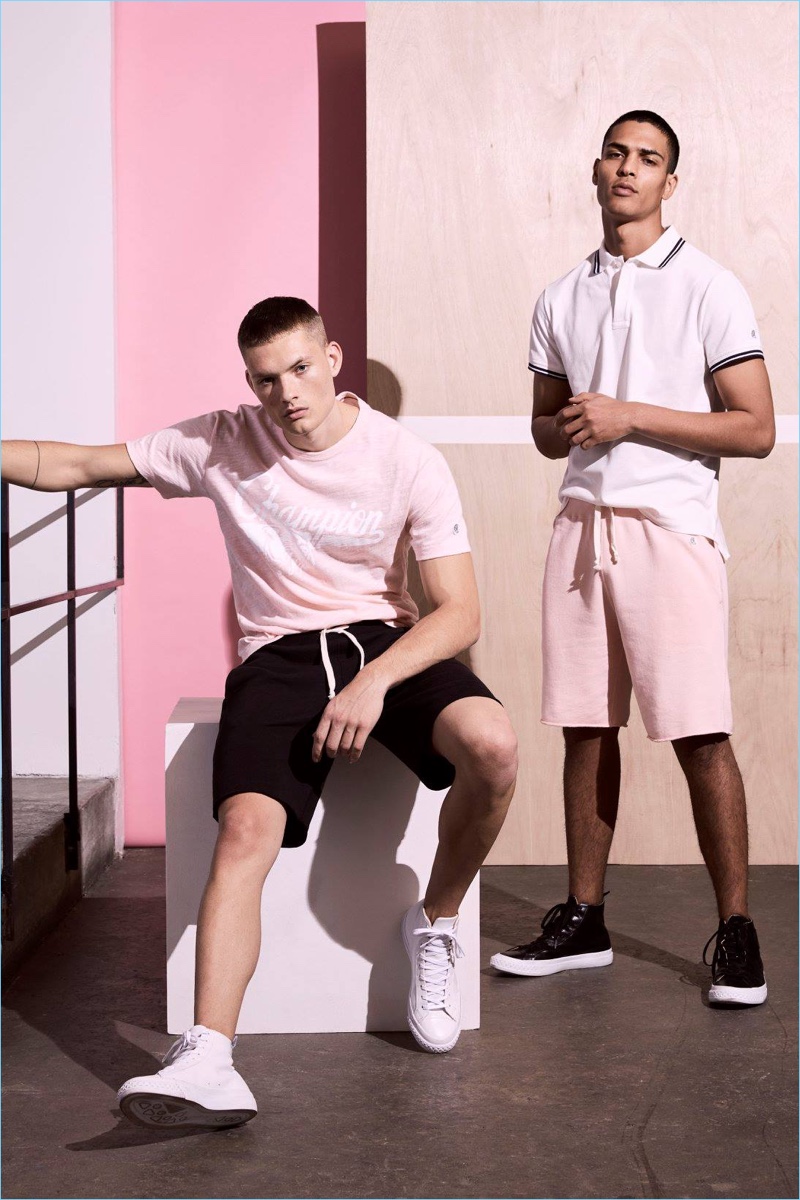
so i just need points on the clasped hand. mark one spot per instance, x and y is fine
(348, 719)
(591, 418)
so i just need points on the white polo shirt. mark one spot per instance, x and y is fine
(653, 329)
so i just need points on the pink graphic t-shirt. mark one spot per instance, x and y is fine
(314, 539)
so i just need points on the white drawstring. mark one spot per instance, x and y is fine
(326, 658)
(612, 536)
(597, 535)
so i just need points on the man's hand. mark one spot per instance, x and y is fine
(349, 718)
(591, 419)
(452, 625)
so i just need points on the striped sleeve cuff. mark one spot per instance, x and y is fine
(732, 359)
(546, 371)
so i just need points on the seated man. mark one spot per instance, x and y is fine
(319, 498)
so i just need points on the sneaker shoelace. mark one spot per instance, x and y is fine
(731, 947)
(436, 955)
(554, 924)
(186, 1043)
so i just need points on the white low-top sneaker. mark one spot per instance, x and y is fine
(197, 1085)
(434, 1003)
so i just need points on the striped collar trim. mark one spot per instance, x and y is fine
(678, 245)
(658, 255)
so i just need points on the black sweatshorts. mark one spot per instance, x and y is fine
(274, 701)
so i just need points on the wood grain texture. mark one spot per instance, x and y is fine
(483, 123)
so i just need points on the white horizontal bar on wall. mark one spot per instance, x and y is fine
(786, 427)
(515, 431)
(482, 431)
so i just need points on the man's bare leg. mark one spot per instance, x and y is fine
(591, 801)
(475, 734)
(229, 923)
(720, 815)
(576, 936)
(198, 1084)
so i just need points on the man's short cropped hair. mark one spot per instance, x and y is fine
(276, 315)
(645, 117)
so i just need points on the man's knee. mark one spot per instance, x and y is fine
(250, 832)
(579, 735)
(703, 750)
(491, 753)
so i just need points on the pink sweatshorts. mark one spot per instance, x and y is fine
(629, 604)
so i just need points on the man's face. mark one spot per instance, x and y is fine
(631, 175)
(292, 377)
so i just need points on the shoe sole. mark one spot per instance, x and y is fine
(734, 995)
(154, 1109)
(551, 966)
(431, 1047)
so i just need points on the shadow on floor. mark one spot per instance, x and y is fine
(96, 988)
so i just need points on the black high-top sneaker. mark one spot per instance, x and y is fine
(573, 935)
(737, 973)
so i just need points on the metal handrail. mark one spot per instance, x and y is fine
(72, 821)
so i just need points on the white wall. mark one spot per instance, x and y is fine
(58, 358)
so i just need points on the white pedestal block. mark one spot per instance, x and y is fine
(332, 958)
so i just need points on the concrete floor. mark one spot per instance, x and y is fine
(619, 1082)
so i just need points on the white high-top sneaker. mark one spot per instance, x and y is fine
(196, 1086)
(434, 1003)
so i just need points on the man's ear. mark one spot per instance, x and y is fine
(335, 357)
(249, 381)
(594, 171)
(669, 186)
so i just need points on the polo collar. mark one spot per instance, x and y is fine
(658, 255)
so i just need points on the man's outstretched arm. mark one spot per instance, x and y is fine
(62, 467)
(451, 626)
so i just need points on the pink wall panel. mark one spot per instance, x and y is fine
(217, 203)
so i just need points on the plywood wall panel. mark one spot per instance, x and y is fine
(760, 513)
(483, 121)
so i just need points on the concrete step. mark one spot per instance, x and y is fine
(43, 890)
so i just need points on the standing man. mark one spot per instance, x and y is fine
(648, 369)
(319, 498)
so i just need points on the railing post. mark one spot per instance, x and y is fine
(5, 683)
(72, 819)
(120, 533)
